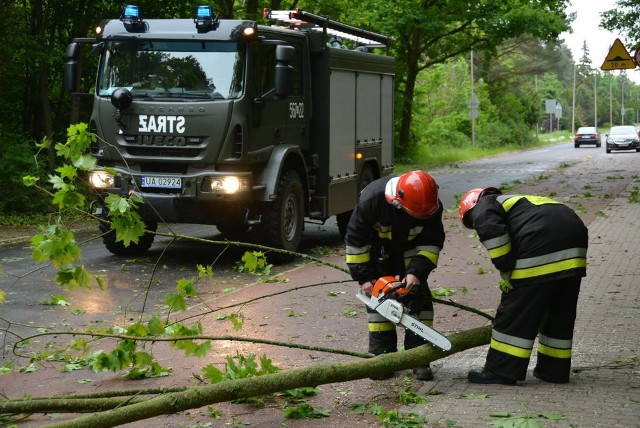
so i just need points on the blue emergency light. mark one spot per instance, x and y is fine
(131, 13)
(132, 19)
(204, 13)
(205, 20)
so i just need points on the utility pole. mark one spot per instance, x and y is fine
(595, 98)
(573, 106)
(610, 101)
(622, 101)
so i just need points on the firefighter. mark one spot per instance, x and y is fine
(396, 229)
(540, 248)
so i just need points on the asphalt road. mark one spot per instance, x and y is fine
(508, 169)
(27, 284)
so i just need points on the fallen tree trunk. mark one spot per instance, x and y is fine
(312, 376)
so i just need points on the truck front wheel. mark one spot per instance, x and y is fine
(118, 248)
(283, 220)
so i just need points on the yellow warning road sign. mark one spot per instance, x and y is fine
(618, 58)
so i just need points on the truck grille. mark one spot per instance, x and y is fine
(164, 152)
(163, 146)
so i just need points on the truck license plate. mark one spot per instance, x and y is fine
(162, 182)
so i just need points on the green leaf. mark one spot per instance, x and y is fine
(442, 292)
(129, 227)
(57, 182)
(186, 288)
(175, 302)
(72, 367)
(68, 172)
(116, 203)
(205, 271)
(306, 411)
(29, 180)
(237, 321)
(212, 373)
(409, 397)
(359, 408)
(155, 326)
(138, 330)
(76, 276)
(57, 300)
(214, 413)
(68, 198)
(45, 144)
(85, 162)
(101, 283)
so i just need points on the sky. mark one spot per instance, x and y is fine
(586, 27)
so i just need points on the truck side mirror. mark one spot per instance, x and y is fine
(284, 71)
(71, 54)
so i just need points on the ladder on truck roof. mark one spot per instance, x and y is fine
(304, 20)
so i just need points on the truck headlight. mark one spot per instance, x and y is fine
(229, 184)
(101, 179)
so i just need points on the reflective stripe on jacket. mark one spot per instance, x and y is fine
(379, 230)
(533, 238)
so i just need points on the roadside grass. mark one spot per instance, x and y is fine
(18, 220)
(440, 155)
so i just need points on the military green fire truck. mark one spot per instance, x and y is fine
(251, 128)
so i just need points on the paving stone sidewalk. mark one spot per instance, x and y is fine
(604, 390)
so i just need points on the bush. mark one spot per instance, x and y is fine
(17, 160)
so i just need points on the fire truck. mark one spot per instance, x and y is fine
(253, 128)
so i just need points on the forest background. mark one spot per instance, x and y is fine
(518, 62)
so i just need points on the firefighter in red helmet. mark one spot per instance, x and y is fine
(540, 247)
(396, 229)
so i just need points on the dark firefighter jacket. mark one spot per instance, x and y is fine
(378, 230)
(531, 239)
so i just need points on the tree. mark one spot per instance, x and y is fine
(624, 19)
(431, 32)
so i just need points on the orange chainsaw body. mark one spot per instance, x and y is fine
(385, 284)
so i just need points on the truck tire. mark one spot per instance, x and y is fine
(118, 248)
(343, 218)
(283, 220)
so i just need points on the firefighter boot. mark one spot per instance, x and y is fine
(485, 376)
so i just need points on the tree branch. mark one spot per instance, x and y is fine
(196, 397)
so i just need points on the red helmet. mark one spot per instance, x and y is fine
(468, 201)
(416, 192)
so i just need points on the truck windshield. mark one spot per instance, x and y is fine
(176, 70)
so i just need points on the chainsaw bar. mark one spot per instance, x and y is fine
(394, 311)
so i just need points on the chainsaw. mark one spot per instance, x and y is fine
(383, 301)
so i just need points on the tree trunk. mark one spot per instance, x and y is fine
(196, 397)
(404, 135)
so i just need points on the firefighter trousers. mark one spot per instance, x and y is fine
(383, 337)
(547, 311)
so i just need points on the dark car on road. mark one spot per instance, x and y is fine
(586, 135)
(623, 138)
